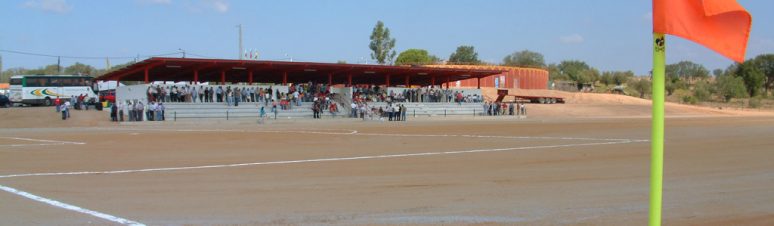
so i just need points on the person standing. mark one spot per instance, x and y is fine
(316, 109)
(57, 103)
(403, 110)
(237, 96)
(139, 111)
(121, 110)
(389, 112)
(396, 109)
(162, 109)
(228, 96)
(524, 109)
(353, 110)
(64, 109)
(201, 94)
(114, 113)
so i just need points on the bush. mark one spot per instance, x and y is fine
(689, 100)
(640, 86)
(702, 91)
(729, 87)
(755, 102)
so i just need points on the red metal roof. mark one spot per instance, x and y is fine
(209, 70)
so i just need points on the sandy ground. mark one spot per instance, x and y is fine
(584, 163)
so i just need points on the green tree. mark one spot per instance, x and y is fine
(753, 78)
(717, 72)
(415, 57)
(616, 77)
(578, 71)
(671, 85)
(554, 74)
(381, 44)
(686, 70)
(464, 55)
(606, 78)
(765, 63)
(51, 69)
(80, 69)
(702, 91)
(729, 87)
(621, 77)
(641, 85)
(525, 58)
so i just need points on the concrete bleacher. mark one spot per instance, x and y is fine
(180, 111)
(188, 111)
(438, 109)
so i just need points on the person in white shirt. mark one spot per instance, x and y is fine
(353, 110)
(65, 108)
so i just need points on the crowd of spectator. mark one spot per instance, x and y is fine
(80, 102)
(423, 94)
(502, 108)
(232, 96)
(362, 105)
(393, 111)
(137, 111)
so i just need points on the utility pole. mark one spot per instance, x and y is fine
(240, 42)
(59, 65)
(107, 64)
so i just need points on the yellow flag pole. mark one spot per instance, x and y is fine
(657, 130)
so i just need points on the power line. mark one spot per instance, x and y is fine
(85, 57)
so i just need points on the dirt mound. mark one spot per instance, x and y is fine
(612, 105)
(41, 117)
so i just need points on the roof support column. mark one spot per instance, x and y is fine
(284, 78)
(407, 81)
(432, 81)
(250, 77)
(330, 79)
(349, 80)
(479, 83)
(196, 76)
(387, 80)
(448, 81)
(146, 75)
(223, 77)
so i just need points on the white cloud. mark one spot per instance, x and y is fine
(571, 39)
(220, 5)
(55, 6)
(199, 6)
(155, 2)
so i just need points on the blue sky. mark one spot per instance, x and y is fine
(607, 34)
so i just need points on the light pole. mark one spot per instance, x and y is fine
(182, 51)
(241, 51)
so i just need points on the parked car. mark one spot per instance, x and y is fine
(107, 95)
(4, 101)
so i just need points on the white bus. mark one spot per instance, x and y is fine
(44, 89)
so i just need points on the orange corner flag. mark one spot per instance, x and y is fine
(721, 25)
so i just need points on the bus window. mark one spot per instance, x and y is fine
(55, 82)
(16, 81)
(68, 82)
(37, 82)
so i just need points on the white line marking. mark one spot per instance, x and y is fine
(355, 132)
(71, 207)
(42, 142)
(312, 160)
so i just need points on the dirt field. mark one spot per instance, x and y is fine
(457, 171)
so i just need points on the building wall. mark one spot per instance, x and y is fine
(512, 77)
